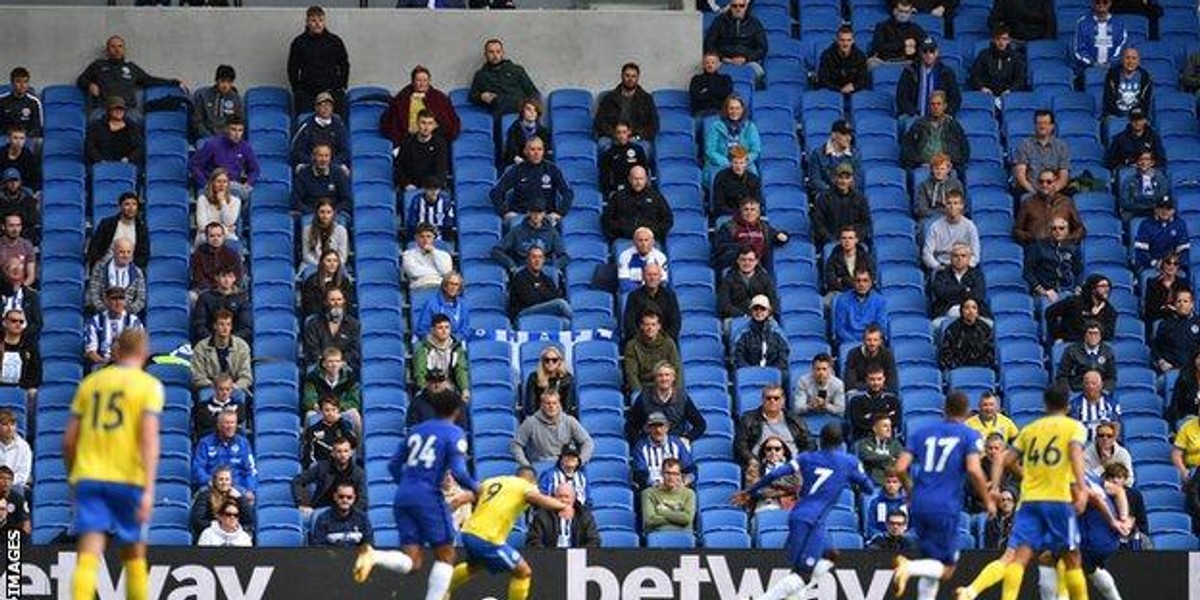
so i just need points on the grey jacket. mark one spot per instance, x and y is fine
(135, 292)
(206, 366)
(210, 109)
(538, 438)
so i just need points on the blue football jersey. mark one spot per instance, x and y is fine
(939, 466)
(1094, 531)
(824, 474)
(431, 449)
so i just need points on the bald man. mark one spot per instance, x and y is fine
(637, 205)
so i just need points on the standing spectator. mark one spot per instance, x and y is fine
(950, 231)
(15, 453)
(1041, 152)
(542, 436)
(919, 81)
(1158, 302)
(525, 127)
(745, 281)
(228, 150)
(652, 295)
(666, 395)
(212, 259)
(328, 274)
(344, 524)
(999, 68)
(1104, 450)
(15, 294)
(896, 538)
(738, 37)
(500, 85)
(897, 38)
(441, 351)
(16, 199)
(323, 127)
(960, 281)
(768, 422)
(879, 451)
(627, 102)
(780, 494)
(551, 374)
(647, 350)
(533, 179)
(571, 527)
(820, 390)
(746, 229)
(845, 258)
(890, 499)
(566, 472)
(1066, 320)
(432, 205)
(422, 155)
(448, 301)
(1128, 86)
(222, 353)
(855, 309)
(210, 498)
(824, 160)
(935, 133)
(323, 233)
(1093, 406)
(1144, 188)
(931, 194)
(968, 341)
(114, 77)
(843, 66)
(990, 420)
(655, 446)
(1137, 138)
(734, 183)
(217, 203)
(1040, 210)
(619, 159)
(709, 88)
(212, 106)
(226, 447)
(839, 206)
(868, 406)
(1161, 236)
(19, 106)
(119, 271)
(1090, 354)
(318, 485)
(226, 296)
(104, 327)
(532, 291)
(22, 360)
(1178, 336)
(637, 205)
(1099, 38)
(332, 377)
(333, 327)
(633, 260)
(319, 179)
(669, 506)
(732, 128)
(1028, 20)
(113, 138)
(424, 265)
(998, 527)
(18, 155)
(318, 440)
(226, 530)
(225, 398)
(761, 343)
(399, 120)
(317, 63)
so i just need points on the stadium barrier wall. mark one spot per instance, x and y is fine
(559, 48)
(270, 573)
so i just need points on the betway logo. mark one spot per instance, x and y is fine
(179, 582)
(705, 578)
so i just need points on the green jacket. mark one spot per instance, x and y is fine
(456, 357)
(506, 79)
(347, 390)
(641, 357)
(668, 511)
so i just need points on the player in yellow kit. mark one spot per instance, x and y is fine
(502, 500)
(111, 449)
(1053, 492)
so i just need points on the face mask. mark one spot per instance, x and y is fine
(335, 314)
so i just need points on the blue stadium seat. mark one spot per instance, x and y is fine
(610, 538)
(670, 539)
(615, 519)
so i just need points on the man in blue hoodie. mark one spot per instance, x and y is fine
(855, 309)
(535, 231)
(533, 178)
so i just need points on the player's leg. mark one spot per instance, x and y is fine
(131, 535)
(1014, 573)
(89, 548)
(1094, 564)
(804, 555)
(519, 583)
(463, 572)
(403, 561)
(991, 574)
(1050, 579)
(1062, 529)
(938, 541)
(441, 572)
(93, 520)
(137, 572)
(1076, 582)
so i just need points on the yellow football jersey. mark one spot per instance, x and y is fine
(109, 404)
(1001, 424)
(501, 502)
(1045, 447)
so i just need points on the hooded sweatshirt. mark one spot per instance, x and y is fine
(641, 355)
(215, 536)
(541, 438)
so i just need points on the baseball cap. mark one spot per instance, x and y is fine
(11, 174)
(435, 375)
(657, 418)
(1136, 113)
(114, 102)
(323, 97)
(761, 300)
(928, 44)
(569, 450)
(1165, 202)
(844, 168)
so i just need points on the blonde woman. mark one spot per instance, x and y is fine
(218, 203)
(551, 373)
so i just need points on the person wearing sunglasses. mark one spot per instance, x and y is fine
(1105, 450)
(344, 524)
(839, 206)
(551, 373)
(781, 495)
(22, 362)
(226, 529)
(1039, 210)
(738, 37)
(757, 427)
(1053, 266)
(1067, 319)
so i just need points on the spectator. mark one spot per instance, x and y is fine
(1105, 450)
(896, 39)
(542, 435)
(16, 199)
(318, 440)
(217, 203)
(532, 291)
(226, 296)
(448, 301)
(14, 294)
(332, 377)
(757, 427)
(1161, 236)
(1028, 20)
(733, 128)
(500, 85)
(225, 398)
(432, 205)
(999, 68)
(1116, 477)
(530, 181)
(421, 408)
(322, 233)
(744, 281)
(761, 343)
(1161, 291)
(1178, 336)
(226, 530)
(127, 223)
(399, 120)
(21, 357)
(709, 88)
(868, 406)
(344, 524)
(920, 80)
(889, 499)
(652, 295)
(114, 139)
(637, 206)
(1150, 9)
(620, 158)
(669, 506)
(17, 155)
(896, 538)
(1092, 353)
(879, 451)
(441, 351)
(212, 259)
(20, 106)
(780, 495)
(1144, 188)
(738, 37)
(627, 102)
(333, 328)
(551, 374)
(534, 231)
(1185, 453)
(15, 453)
(632, 261)
(226, 447)
(1043, 151)
(1053, 266)
(1092, 406)
(119, 271)
(222, 352)
(318, 180)
(13, 245)
(424, 265)
(526, 127)
(647, 350)
(1189, 80)
(320, 484)
(212, 497)
(968, 341)
(1066, 320)
(227, 150)
(114, 77)
(824, 160)
(839, 206)
(422, 155)
(990, 420)
(960, 281)
(746, 229)
(994, 448)
(855, 309)
(820, 391)
(214, 105)
(842, 261)
(318, 63)
(665, 394)
(842, 66)
(1099, 38)
(655, 446)
(1128, 86)
(566, 472)
(947, 232)
(329, 274)
(734, 183)
(322, 128)
(104, 327)
(931, 195)
(998, 527)
(1138, 138)
(571, 527)
(935, 133)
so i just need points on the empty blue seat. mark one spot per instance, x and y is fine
(670, 539)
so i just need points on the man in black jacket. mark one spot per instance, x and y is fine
(738, 37)
(843, 67)
(1090, 354)
(638, 205)
(1128, 86)
(742, 282)
(531, 291)
(1001, 67)
(1068, 319)
(868, 355)
(953, 285)
(968, 341)
(755, 426)
(847, 257)
(1028, 20)
(897, 38)
(313, 488)
(708, 89)
(1137, 137)
(225, 296)
(875, 402)
(839, 206)
(652, 295)
(422, 155)
(318, 62)
(618, 159)
(113, 76)
(761, 342)
(1178, 337)
(127, 217)
(922, 78)
(571, 527)
(629, 99)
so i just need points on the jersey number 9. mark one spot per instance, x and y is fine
(113, 416)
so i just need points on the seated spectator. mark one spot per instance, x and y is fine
(820, 391)
(896, 538)
(1042, 151)
(1116, 477)
(633, 260)
(329, 274)
(998, 527)
(855, 309)
(1104, 450)
(709, 88)
(500, 85)
(1128, 86)
(869, 354)
(218, 204)
(13, 245)
(875, 402)
(1178, 336)
(1091, 353)
(654, 447)
(542, 436)
(896, 39)
(824, 160)
(113, 138)
(879, 450)
(435, 207)
(1158, 301)
(1028, 20)
(128, 224)
(114, 77)
(994, 448)
(318, 180)
(333, 327)
(527, 126)
(16, 199)
(225, 398)
(1161, 236)
(532, 291)
(399, 120)
(213, 106)
(213, 496)
(921, 80)
(566, 471)
(225, 297)
(422, 155)
(322, 128)
(448, 301)
(226, 447)
(627, 102)
(119, 271)
(212, 259)
(534, 231)
(738, 37)
(22, 360)
(1093, 405)
(734, 183)
(319, 485)
(890, 499)
(839, 206)
(345, 524)
(16, 155)
(1185, 396)
(532, 180)
(321, 233)
(746, 229)
(732, 128)
(222, 353)
(782, 493)
(645, 351)
(15, 294)
(226, 530)
(1053, 266)
(1066, 320)
(968, 341)
(990, 420)
(666, 395)
(635, 206)
(1001, 67)
(424, 265)
(652, 295)
(1137, 138)
(332, 377)
(105, 326)
(669, 506)
(1185, 453)
(1099, 38)
(959, 281)
(551, 374)
(930, 201)
(761, 343)
(759, 426)
(744, 281)
(571, 527)
(947, 232)
(422, 409)
(318, 440)
(15, 453)
(1144, 188)
(842, 261)
(933, 133)
(624, 155)
(230, 152)
(842, 66)
(20, 106)
(440, 350)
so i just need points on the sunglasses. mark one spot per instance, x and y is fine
(773, 448)
(774, 397)
(1104, 435)
(1170, 262)
(229, 514)
(17, 321)
(551, 359)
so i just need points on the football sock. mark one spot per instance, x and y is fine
(83, 582)
(927, 589)
(1076, 584)
(992, 574)
(926, 568)
(1048, 583)
(1013, 574)
(461, 574)
(137, 579)
(1060, 571)
(439, 580)
(1103, 580)
(518, 588)
(784, 587)
(393, 560)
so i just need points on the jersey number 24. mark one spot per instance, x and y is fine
(421, 451)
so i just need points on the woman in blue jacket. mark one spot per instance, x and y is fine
(732, 128)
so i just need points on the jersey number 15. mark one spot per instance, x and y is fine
(112, 416)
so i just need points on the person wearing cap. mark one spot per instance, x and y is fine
(106, 326)
(227, 149)
(1164, 234)
(500, 85)
(113, 76)
(652, 294)
(572, 527)
(16, 199)
(770, 420)
(19, 105)
(317, 62)
(332, 377)
(399, 120)
(738, 37)
(118, 271)
(566, 471)
(733, 128)
(922, 78)
(839, 206)
(542, 436)
(14, 245)
(1177, 340)
(532, 290)
(213, 105)
(20, 154)
(824, 159)
(857, 308)
(637, 205)
(441, 351)
(746, 228)
(113, 138)
(1099, 38)
(424, 264)
(620, 158)
(534, 231)
(999, 68)
(422, 155)
(761, 343)
(1028, 20)
(656, 445)
(709, 88)
(1128, 85)
(743, 282)
(843, 67)
(948, 231)
(734, 183)
(532, 178)
(421, 407)
(935, 133)
(323, 127)
(1138, 136)
(896, 38)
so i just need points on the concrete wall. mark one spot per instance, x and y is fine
(559, 48)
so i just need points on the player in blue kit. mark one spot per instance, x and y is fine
(1101, 526)
(422, 515)
(941, 455)
(825, 473)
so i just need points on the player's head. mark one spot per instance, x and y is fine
(132, 348)
(527, 473)
(1055, 401)
(446, 404)
(831, 436)
(957, 406)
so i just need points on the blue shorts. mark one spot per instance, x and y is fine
(429, 523)
(937, 536)
(497, 558)
(1045, 526)
(110, 508)
(805, 545)
(1096, 559)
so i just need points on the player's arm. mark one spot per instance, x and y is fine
(71, 442)
(901, 469)
(149, 446)
(458, 469)
(1077, 470)
(540, 500)
(1121, 522)
(744, 497)
(1008, 461)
